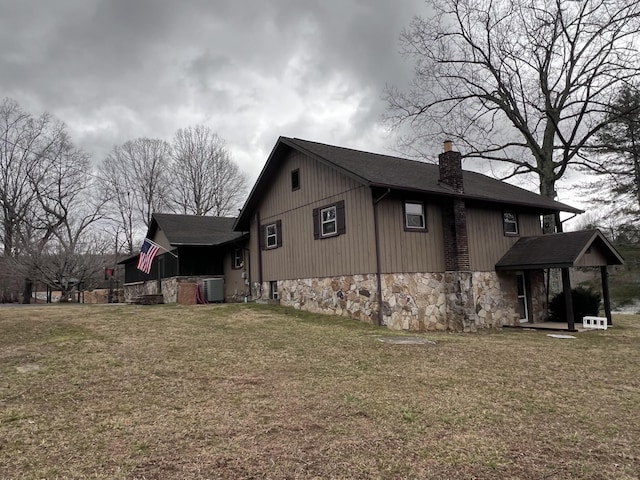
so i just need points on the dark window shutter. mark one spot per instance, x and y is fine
(279, 233)
(316, 223)
(261, 236)
(342, 228)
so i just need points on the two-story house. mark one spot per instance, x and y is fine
(391, 241)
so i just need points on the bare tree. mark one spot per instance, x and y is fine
(49, 207)
(120, 202)
(522, 82)
(23, 141)
(206, 180)
(66, 211)
(136, 183)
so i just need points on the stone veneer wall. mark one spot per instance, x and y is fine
(150, 287)
(538, 292)
(454, 301)
(133, 290)
(350, 296)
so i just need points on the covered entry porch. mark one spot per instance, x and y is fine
(587, 248)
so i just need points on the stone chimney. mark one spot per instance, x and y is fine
(450, 163)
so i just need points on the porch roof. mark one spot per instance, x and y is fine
(586, 248)
(194, 230)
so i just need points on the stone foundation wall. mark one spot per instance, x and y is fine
(351, 296)
(538, 289)
(495, 299)
(453, 301)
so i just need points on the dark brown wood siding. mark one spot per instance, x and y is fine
(592, 258)
(410, 251)
(233, 280)
(300, 256)
(487, 241)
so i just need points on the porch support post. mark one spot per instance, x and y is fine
(566, 287)
(605, 293)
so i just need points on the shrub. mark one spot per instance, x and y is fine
(585, 302)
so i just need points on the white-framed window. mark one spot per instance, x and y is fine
(273, 290)
(414, 217)
(271, 235)
(510, 223)
(329, 221)
(238, 258)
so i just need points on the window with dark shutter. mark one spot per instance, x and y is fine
(271, 235)
(329, 221)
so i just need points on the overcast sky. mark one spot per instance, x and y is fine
(251, 70)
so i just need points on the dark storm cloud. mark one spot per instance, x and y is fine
(251, 70)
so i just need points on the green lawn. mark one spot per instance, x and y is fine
(243, 391)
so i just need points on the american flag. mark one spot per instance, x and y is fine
(148, 251)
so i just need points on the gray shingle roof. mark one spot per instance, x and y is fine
(397, 173)
(558, 250)
(404, 174)
(196, 230)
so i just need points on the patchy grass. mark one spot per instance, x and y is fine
(243, 391)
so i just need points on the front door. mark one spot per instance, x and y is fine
(522, 298)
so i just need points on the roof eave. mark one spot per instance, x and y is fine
(541, 208)
(533, 266)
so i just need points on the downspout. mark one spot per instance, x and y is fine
(376, 228)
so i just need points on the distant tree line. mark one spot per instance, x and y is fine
(63, 220)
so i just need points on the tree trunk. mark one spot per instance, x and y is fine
(27, 292)
(547, 189)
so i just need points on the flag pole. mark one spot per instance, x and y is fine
(160, 246)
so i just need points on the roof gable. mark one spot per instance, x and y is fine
(377, 170)
(560, 250)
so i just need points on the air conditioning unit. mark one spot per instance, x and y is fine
(213, 289)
